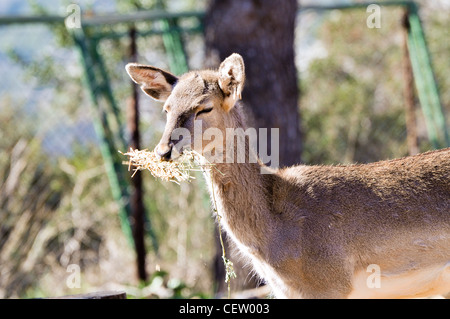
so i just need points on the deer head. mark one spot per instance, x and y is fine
(194, 102)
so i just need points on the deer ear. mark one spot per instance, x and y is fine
(155, 82)
(231, 79)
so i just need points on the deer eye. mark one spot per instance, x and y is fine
(204, 111)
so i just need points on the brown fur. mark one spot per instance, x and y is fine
(312, 231)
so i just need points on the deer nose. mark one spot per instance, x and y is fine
(164, 151)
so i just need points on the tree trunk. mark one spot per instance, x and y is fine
(136, 197)
(408, 92)
(262, 31)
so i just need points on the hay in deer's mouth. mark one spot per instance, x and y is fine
(176, 171)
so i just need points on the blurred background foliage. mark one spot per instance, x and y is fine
(352, 99)
(56, 208)
(352, 104)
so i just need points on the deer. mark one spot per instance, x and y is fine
(313, 231)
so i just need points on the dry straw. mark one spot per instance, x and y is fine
(179, 171)
(173, 171)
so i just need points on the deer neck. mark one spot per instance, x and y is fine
(241, 195)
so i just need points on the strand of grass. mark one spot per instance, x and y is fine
(229, 270)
